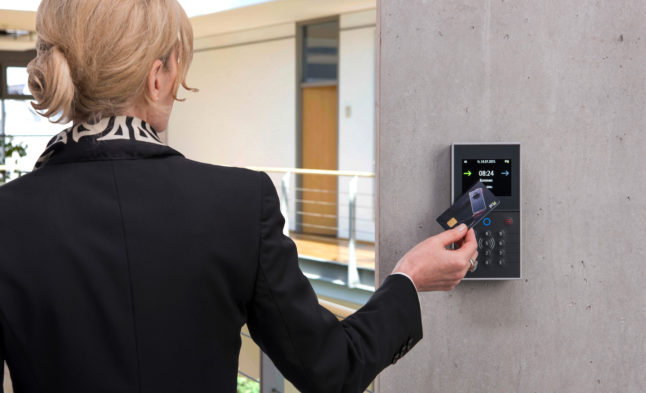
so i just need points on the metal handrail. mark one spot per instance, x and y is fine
(303, 171)
(353, 273)
(353, 281)
(6, 168)
(6, 171)
(320, 215)
(311, 202)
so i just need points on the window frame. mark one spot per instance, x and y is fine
(10, 59)
(300, 50)
(13, 59)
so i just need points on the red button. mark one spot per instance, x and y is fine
(508, 221)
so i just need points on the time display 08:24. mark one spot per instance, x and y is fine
(495, 174)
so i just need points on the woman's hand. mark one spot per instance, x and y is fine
(433, 267)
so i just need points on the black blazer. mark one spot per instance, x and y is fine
(125, 267)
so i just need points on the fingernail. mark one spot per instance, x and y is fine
(461, 227)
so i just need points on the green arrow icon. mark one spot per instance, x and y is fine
(468, 173)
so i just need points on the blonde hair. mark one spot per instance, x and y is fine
(93, 56)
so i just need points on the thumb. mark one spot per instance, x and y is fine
(452, 235)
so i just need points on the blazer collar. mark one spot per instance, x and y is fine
(112, 138)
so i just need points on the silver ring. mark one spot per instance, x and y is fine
(474, 265)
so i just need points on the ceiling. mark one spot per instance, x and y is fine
(244, 18)
(192, 7)
(273, 13)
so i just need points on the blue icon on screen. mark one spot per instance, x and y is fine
(486, 222)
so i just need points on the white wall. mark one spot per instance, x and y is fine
(244, 114)
(357, 116)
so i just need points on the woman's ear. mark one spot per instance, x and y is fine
(154, 85)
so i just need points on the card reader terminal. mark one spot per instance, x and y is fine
(497, 166)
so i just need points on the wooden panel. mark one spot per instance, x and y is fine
(320, 151)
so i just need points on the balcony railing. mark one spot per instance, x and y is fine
(342, 210)
(7, 173)
(346, 211)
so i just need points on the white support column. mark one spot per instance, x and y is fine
(353, 273)
(284, 201)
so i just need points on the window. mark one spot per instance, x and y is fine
(20, 124)
(23, 126)
(16, 78)
(320, 51)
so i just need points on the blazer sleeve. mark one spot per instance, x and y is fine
(307, 343)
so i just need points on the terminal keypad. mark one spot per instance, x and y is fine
(498, 236)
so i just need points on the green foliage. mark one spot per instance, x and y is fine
(246, 385)
(7, 150)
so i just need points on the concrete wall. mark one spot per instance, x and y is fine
(567, 79)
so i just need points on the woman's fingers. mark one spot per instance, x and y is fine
(451, 236)
(469, 245)
(434, 268)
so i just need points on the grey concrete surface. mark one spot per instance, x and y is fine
(567, 79)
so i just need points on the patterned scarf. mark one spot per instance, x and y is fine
(117, 137)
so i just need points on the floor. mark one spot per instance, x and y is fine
(334, 249)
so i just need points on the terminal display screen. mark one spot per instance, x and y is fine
(493, 173)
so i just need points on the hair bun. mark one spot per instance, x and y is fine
(85, 71)
(51, 83)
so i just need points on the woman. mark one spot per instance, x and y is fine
(129, 268)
